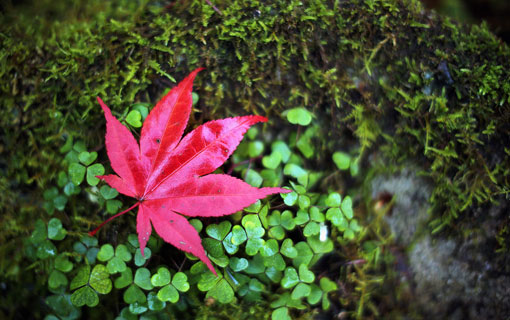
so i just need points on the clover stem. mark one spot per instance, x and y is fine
(93, 232)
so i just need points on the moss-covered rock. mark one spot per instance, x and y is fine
(421, 85)
(454, 277)
(388, 80)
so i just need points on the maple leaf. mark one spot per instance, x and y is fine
(170, 177)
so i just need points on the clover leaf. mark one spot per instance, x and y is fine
(238, 264)
(258, 265)
(334, 199)
(143, 108)
(62, 263)
(46, 249)
(300, 291)
(318, 246)
(57, 279)
(88, 284)
(219, 231)
(337, 218)
(93, 171)
(134, 118)
(222, 292)
(305, 254)
(134, 294)
(302, 217)
(105, 253)
(254, 232)
(288, 249)
(77, 173)
(100, 279)
(305, 144)
(170, 286)
(289, 198)
(55, 230)
(273, 274)
(118, 262)
(305, 275)
(342, 160)
(299, 116)
(161, 277)
(108, 194)
(281, 314)
(87, 157)
(290, 278)
(180, 282)
(272, 161)
(238, 235)
(326, 286)
(124, 280)
(283, 149)
(269, 248)
(154, 303)
(315, 294)
(285, 299)
(86, 247)
(82, 168)
(139, 259)
(316, 215)
(346, 207)
(255, 148)
(312, 228)
(138, 307)
(84, 296)
(168, 293)
(295, 171)
(50, 196)
(143, 278)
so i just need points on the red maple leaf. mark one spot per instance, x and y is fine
(169, 176)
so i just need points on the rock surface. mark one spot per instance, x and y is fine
(455, 277)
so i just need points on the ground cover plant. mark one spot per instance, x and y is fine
(352, 89)
(262, 254)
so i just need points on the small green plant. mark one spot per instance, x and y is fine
(265, 254)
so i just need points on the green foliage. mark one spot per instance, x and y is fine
(258, 254)
(299, 116)
(438, 102)
(88, 284)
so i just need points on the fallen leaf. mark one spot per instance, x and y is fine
(169, 176)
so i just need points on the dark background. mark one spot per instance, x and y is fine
(495, 12)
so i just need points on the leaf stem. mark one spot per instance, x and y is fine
(93, 232)
(214, 7)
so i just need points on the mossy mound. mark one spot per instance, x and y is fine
(421, 85)
(383, 74)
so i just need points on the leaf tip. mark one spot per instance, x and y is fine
(213, 270)
(104, 106)
(260, 118)
(272, 190)
(188, 81)
(197, 70)
(208, 263)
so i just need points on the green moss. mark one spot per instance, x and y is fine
(429, 88)
(379, 75)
